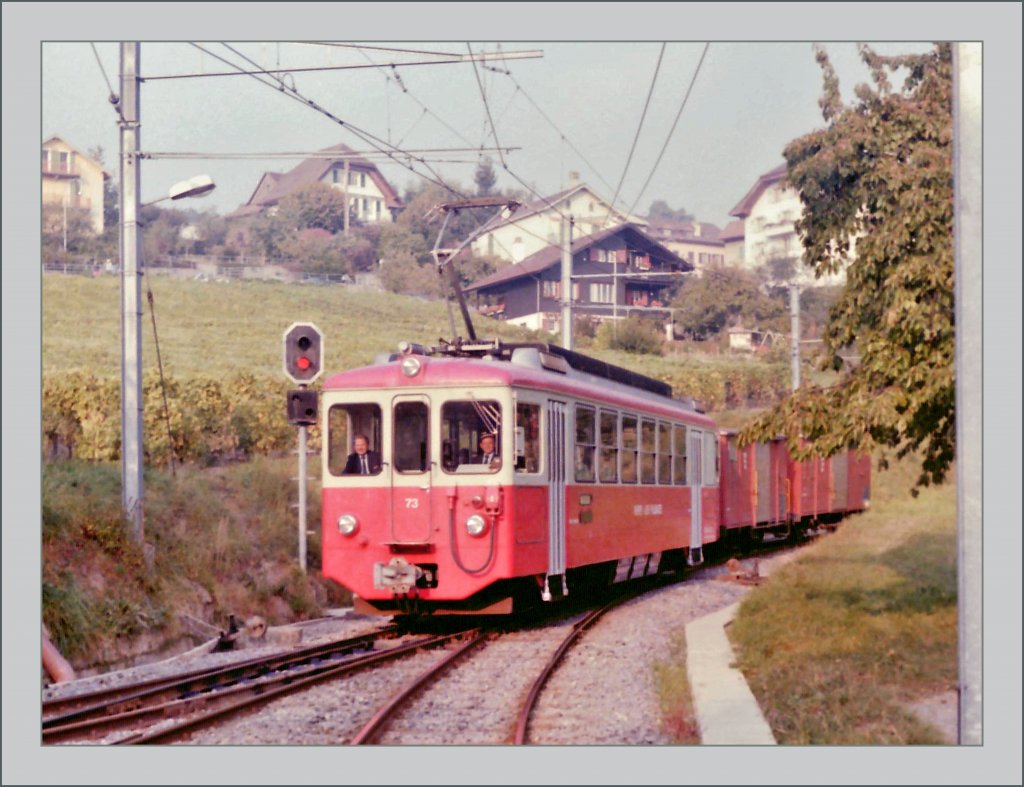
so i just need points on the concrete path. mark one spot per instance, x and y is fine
(727, 712)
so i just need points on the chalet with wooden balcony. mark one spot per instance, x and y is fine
(616, 272)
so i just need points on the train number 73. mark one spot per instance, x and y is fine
(412, 502)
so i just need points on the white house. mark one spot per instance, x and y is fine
(371, 198)
(73, 180)
(538, 224)
(769, 212)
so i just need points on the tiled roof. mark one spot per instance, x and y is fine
(734, 230)
(552, 255)
(274, 186)
(742, 210)
(683, 230)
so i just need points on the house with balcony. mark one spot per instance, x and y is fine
(538, 224)
(616, 272)
(73, 180)
(769, 212)
(371, 199)
(697, 242)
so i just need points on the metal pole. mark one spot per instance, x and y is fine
(302, 498)
(345, 192)
(794, 321)
(131, 296)
(967, 199)
(567, 283)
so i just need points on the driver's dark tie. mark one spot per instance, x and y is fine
(366, 470)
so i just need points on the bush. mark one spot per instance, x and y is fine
(634, 335)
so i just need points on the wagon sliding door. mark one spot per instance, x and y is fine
(555, 438)
(696, 464)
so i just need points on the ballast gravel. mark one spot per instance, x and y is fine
(603, 693)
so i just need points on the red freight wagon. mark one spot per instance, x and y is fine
(755, 488)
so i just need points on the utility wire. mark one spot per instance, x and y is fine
(294, 94)
(682, 106)
(115, 101)
(636, 137)
(378, 48)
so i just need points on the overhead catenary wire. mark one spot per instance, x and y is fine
(671, 131)
(636, 137)
(114, 99)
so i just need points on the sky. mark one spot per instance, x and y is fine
(573, 107)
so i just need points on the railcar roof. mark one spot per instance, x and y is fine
(463, 372)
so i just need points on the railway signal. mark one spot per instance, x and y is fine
(302, 407)
(303, 352)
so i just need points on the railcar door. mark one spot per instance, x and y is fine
(840, 477)
(556, 426)
(696, 463)
(411, 471)
(763, 480)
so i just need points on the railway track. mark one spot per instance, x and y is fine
(165, 710)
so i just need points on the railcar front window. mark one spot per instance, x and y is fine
(411, 429)
(664, 453)
(465, 429)
(608, 466)
(647, 443)
(348, 426)
(679, 463)
(629, 446)
(527, 438)
(584, 443)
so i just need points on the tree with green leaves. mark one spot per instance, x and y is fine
(317, 206)
(877, 189)
(722, 297)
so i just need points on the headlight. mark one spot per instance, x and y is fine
(476, 525)
(347, 524)
(410, 366)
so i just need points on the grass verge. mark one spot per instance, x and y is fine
(861, 624)
(219, 541)
(678, 719)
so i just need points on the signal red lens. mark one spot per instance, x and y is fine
(303, 362)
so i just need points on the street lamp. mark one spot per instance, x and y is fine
(199, 186)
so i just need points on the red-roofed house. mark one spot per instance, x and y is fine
(769, 212)
(616, 273)
(371, 198)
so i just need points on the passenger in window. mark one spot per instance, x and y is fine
(488, 452)
(362, 461)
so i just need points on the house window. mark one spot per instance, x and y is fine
(366, 205)
(601, 293)
(552, 289)
(376, 207)
(335, 175)
(362, 179)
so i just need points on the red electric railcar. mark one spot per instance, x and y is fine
(598, 475)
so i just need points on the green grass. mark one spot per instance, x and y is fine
(211, 328)
(678, 719)
(863, 622)
(228, 532)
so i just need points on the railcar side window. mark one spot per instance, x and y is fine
(345, 423)
(464, 424)
(527, 438)
(679, 464)
(647, 445)
(664, 453)
(608, 464)
(411, 422)
(585, 441)
(710, 459)
(629, 446)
